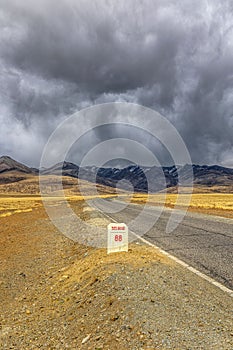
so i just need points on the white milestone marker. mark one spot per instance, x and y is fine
(117, 238)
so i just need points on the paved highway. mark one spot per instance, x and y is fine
(203, 241)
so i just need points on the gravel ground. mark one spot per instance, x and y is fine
(57, 294)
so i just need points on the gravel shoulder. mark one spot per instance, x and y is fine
(57, 294)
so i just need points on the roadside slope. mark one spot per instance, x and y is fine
(57, 294)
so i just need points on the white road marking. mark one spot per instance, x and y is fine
(190, 268)
(182, 263)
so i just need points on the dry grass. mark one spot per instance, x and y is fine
(24, 195)
(220, 204)
(15, 205)
(10, 206)
(51, 185)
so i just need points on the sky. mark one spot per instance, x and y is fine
(58, 57)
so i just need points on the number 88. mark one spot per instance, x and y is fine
(118, 238)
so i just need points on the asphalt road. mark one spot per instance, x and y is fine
(203, 241)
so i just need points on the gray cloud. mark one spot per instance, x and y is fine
(173, 56)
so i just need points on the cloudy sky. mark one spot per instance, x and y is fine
(57, 57)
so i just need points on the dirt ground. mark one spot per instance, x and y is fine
(58, 294)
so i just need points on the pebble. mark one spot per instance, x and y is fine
(85, 340)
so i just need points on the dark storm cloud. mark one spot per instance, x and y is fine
(173, 56)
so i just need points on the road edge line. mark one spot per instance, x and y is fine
(182, 263)
(189, 267)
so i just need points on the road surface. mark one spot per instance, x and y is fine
(202, 241)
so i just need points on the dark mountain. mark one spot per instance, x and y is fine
(140, 178)
(213, 175)
(8, 164)
(68, 169)
(13, 171)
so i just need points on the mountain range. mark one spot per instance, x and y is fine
(134, 176)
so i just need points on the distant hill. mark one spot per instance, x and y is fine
(159, 178)
(8, 164)
(12, 171)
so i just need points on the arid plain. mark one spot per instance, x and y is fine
(58, 294)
